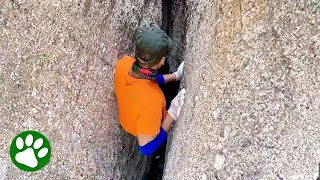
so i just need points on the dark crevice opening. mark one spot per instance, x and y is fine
(170, 90)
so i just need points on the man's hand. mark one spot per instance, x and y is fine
(179, 72)
(176, 105)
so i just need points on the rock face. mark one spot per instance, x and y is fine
(56, 77)
(252, 107)
(252, 77)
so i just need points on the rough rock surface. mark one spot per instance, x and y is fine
(56, 77)
(252, 106)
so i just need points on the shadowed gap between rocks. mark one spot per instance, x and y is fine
(170, 90)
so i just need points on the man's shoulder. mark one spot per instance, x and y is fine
(125, 60)
(123, 64)
(154, 97)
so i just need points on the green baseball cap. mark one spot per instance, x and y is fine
(152, 45)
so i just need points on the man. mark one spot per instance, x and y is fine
(141, 103)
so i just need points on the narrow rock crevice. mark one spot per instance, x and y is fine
(173, 23)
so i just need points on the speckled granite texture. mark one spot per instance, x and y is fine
(252, 106)
(56, 77)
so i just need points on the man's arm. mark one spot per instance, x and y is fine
(148, 144)
(166, 125)
(176, 76)
(169, 77)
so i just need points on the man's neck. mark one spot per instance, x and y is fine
(134, 74)
(143, 65)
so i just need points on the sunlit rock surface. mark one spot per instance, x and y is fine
(56, 77)
(252, 106)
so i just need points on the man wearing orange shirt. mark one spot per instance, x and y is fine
(141, 103)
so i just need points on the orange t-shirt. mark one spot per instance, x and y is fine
(141, 103)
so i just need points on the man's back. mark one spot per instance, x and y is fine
(141, 103)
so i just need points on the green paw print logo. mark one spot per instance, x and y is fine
(30, 151)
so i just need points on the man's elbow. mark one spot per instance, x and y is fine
(149, 148)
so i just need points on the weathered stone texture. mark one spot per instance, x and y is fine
(56, 77)
(252, 107)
